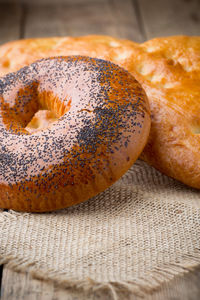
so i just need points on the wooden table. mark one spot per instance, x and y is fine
(137, 20)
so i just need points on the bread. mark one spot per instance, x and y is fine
(102, 126)
(169, 71)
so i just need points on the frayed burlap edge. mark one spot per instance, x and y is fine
(138, 287)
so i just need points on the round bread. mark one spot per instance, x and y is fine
(169, 71)
(96, 125)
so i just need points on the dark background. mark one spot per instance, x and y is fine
(132, 19)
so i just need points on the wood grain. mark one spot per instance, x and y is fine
(10, 22)
(50, 2)
(1, 276)
(113, 17)
(21, 286)
(163, 18)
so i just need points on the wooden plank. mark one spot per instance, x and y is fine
(184, 287)
(10, 20)
(114, 18)
(174, 17)
(21, 286)
(49, 2)
(1, 277)
(125, 18)
(139, 19)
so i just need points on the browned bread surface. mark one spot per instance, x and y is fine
(169, 71)
(102, 126)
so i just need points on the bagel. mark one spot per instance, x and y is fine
(168, 70)
(95, 123)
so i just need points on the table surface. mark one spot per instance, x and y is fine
(137, 20)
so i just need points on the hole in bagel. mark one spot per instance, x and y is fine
(49, 111)
(33, 110)
(42, 119)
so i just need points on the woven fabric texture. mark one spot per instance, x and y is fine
(140, 232)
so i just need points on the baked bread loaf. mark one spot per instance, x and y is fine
(102, 126)
(169, 71)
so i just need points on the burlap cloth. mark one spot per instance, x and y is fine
(140, 232)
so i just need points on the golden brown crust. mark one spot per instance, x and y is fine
(102, 127)
(173, 89)
(169, 71)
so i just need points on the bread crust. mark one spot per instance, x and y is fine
(168, 70)
(102, 127)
